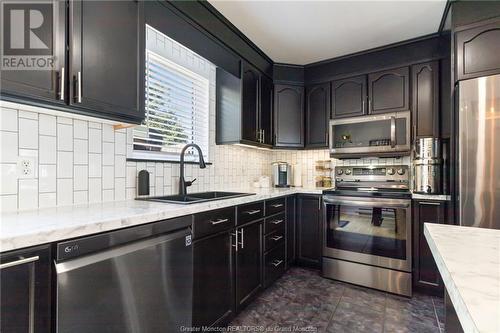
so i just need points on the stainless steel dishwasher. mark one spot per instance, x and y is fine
(133, 280)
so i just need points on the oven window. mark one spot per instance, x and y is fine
(375, 231)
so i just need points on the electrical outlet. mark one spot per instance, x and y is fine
(26, 167)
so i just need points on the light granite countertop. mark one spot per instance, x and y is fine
(28, 228)
(469, 262)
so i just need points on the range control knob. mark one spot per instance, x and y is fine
(401, 171)
(390, 171)
(347, 171)
(340, 171)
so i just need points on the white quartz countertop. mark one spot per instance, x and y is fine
(436, 197)
(469, 262)
(27, 228)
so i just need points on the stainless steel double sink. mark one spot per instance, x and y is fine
(196, 197)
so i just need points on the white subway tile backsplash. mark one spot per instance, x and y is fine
(9, 179)
(95, 140)
(47, 125)
(64, 192)
(80, 197)
(80, 178)
(47, 200)
(108, 153)
(8, 119)
(64, 137)
(28, 133)
(95, 165)
(28, 115)
(120, 189)
(95, 190)
(131, 175)
(120, 166)
(8, 147)
(108, 133)
(81, 151)
(8, 203)
(120, 143)
(108, 195)
(48, 151)
(28, 194)
(64, 120)
(80, 128)
(47, 178)
(108, 177)
(64, 164)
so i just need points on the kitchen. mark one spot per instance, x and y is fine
(179, 166)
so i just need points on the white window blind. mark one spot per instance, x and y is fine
(177, 111)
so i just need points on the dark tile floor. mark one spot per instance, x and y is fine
(303, 300)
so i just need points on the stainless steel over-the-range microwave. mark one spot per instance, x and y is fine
(370, 135)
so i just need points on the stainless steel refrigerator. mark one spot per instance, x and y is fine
(479, 152)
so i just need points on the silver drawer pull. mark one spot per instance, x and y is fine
(252, 212)
(276, 263)
(277, 205)
(276, 222)
(235, 245)
(276, 238)
(219, 221)
(19, 262)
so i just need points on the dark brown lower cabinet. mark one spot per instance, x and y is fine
(25, 293)
(309, 226)
(248, 263)
(213, 280)
(290, 230)
(426, 277)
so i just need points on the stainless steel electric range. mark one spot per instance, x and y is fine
(367, 228)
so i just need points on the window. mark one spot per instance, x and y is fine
(176, 104)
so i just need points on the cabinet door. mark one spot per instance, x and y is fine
(425, 101)
(40, 85)
(288, 116)
(309, 241)
(266, 110)
(212, 281)
(248, 263)
(290, 230)
(477, 51)
(388, 91)
(426, 276)
(107, 58)
(349, 97)
(317, 115)
(250, 103)
(25, 294)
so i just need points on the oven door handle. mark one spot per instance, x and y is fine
(379, 203)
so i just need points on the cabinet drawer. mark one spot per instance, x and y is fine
(274, 238)
(250, 212)
(213, 221)
(274, 264)
(273, 223)
(275, 206)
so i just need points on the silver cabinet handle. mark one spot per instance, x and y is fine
(263, 136)
(393, 132)
(252, 212)
(78, 87)
(363, 106)
(429, 203)
(277, 205)
(369, 105)
(242, 238)
(19, 262)
(61, 85)
(276, 263)
(276, 222)
(219, 221)
(235, 245)
(276, 238)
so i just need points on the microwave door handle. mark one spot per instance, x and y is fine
(393, 131)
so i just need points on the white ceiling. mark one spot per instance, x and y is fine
(302, 32)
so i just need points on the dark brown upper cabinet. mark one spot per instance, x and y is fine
(250, 79)
(425, 99)
(349, 97)
(388, 91)
(477, 51)
(106, 57)
(289, 116)
(42, 85)
(317, 115)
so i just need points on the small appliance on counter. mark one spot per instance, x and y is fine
(427, 165)
(282, 174)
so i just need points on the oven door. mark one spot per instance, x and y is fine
(375, 134)
(372, 231)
